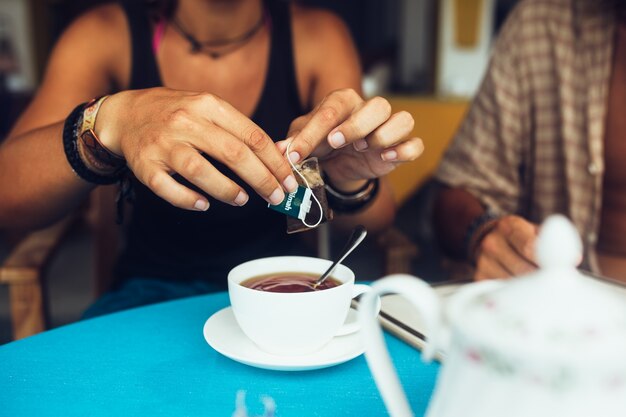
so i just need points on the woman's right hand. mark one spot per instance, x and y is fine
(161, 132)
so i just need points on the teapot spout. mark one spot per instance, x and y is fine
(422, 296)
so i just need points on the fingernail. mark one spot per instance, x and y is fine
(337, 140)
(241, 199)
(283, 144)
(294, 157)
(389, 156)
(290, 183)
(276, 197)
(361, 145)
(201, 205)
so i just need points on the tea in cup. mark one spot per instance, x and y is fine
(277, 306)
(289, 282)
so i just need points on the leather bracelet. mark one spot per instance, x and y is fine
(476, 231)
(75, 156)
(353, 202)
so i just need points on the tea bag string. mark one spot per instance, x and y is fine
(293, 167)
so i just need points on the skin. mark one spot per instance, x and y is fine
(611, 247)
(508, 250)
(204, 107)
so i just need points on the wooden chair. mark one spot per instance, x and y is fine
(398, 251)
(24, 270)
(24, 273)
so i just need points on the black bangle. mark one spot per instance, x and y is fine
(349, 203)
(478, 228)
(70, 145)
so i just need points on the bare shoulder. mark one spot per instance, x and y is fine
(108, 15)
(92, 53)
(89, 57)
(319, 26)
(326, 57)
(101, 31)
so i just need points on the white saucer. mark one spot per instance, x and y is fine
(223, 334)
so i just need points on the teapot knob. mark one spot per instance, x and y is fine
(559, 244)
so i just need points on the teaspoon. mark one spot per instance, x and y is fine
(357, 236)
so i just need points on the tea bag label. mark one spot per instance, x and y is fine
(296, 204)
(307, 207)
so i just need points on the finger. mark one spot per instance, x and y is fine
(239, 126)
(336, 108)
(521, 235)
(393, 131)
(297, 125)
(514, 263)
(370, 116)
(495, 246)
(265, 149)
(404, 152)
(283, 147)
(488, 268)
(170, 190)
(196, 169)
(242, 161)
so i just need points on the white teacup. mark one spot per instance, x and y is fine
(292, 323)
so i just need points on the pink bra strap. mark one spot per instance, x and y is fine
(159, 30)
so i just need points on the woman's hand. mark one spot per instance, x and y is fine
(161, 132)
(355, 139)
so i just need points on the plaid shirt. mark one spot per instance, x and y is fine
(532, 142)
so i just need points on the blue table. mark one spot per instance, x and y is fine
(154, 361)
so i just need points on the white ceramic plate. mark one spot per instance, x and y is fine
(223, 334)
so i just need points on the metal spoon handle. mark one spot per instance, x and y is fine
(358, 234)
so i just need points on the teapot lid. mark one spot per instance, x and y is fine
(552, 311)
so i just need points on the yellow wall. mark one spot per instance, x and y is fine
(436, 121)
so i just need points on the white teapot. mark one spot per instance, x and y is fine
(552, 343)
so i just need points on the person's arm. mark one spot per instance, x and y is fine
(157, 131)
(481, 171)
(356, 140)
(501, 247)
(454, 211)
(37, 185)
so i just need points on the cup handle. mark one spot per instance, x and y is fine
(421, 295)
(352, 324)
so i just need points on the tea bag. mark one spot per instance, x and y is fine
(307, 207)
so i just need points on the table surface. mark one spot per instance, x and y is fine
(154, 361)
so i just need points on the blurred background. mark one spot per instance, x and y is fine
(426, 56)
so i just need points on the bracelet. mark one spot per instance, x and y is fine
(476, 231)
(353, 202)
(93, 153)
(78, 157)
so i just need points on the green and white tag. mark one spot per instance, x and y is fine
(296, 204)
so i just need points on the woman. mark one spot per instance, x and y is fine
(198, 91)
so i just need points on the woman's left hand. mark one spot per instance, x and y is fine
(355, 139)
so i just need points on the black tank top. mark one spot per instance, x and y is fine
(163, 241)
